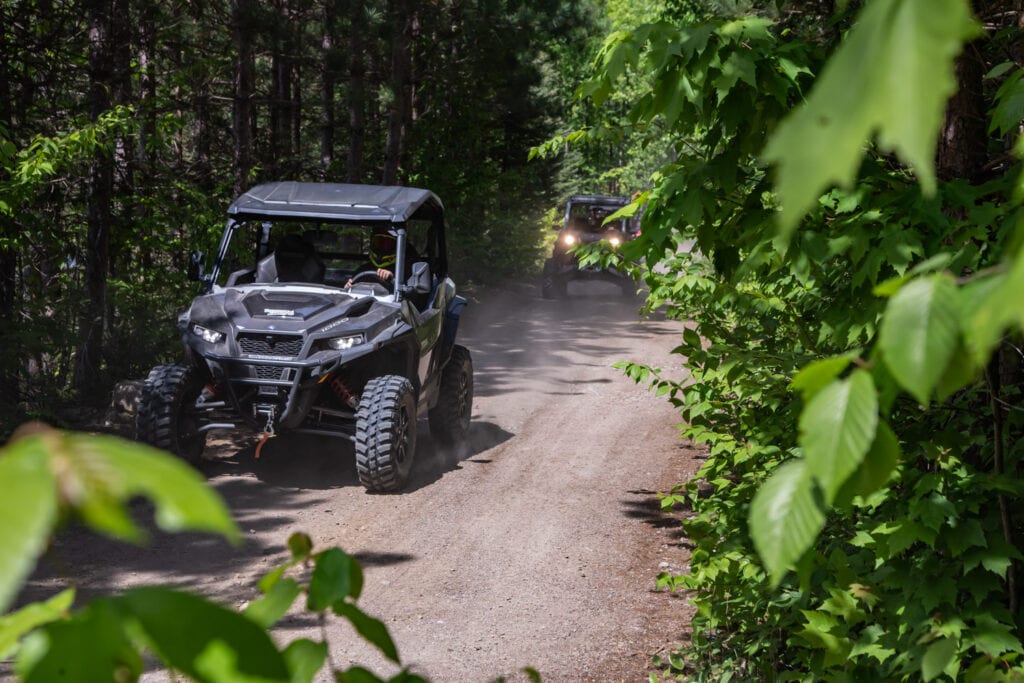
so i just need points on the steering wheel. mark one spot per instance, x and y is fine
(371, 277)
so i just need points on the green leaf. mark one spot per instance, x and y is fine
(356, 674)
(218, 663)
(959, 372)
(28, 508)
(892, 76)
(305, 658)
(991, 305)
(995, 556)
(16, 624)
(878, 465)
(1009, 109)
(813, 377)
(784, 518)
(92, 646)
(336, 576)
(937, 657)
(920, 332)
(819, 631)
(372, 630)
(837, 427)
(180, 626)
(123, 469)
(992, 637)
(266, 611)
(300, 545)
(964, 534)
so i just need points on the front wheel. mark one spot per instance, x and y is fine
(167, 416)
(551, 285)
(385, 433)
(449, 419)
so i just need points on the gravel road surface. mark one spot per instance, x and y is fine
(539, 548)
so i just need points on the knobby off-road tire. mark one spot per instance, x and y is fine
(449, 419)
(167, 417)
(385, 433)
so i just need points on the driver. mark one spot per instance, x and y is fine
(382, 256)
(596, 219)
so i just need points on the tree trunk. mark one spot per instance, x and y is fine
(241, 22)
(281, 95)
(147, 86)
(356, 93)
(963, 140)
(400, 14)
(88, 360)
(10, 393)
(147, 115)
(327, 59)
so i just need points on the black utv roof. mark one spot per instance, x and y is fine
(599, 199)
(334, 201)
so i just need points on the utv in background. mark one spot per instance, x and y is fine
(584, 223)
(294, 332)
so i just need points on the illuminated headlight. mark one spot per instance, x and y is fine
(207, 335)
(569, 240)
(345, 343)
(615, 241)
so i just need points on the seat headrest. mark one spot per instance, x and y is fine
(297, 261)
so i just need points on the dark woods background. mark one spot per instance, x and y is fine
(126, 127)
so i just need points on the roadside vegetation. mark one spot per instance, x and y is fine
(833, 201)
(849, 178)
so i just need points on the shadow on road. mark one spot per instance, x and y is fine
(516, 338)
(304, 462)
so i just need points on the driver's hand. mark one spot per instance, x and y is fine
(384, 274)
(348, 284)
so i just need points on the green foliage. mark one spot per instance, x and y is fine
(854, 383)
(30, 168)
(47, 475)
(784, 518)
(907, 47)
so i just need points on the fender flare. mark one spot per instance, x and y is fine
(451, 326)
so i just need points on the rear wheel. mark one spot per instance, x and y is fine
(449, 419)
(385, 433)
(167, 416)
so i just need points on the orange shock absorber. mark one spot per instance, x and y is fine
(341, 391)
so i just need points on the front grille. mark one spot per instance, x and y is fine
(284, 345)
(269, 372)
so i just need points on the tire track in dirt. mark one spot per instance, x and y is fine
(540, 548)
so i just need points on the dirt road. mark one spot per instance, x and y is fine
(540, 548)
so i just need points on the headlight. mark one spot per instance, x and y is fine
(207, 335)
(345, 343)
(615, 240)
(569, 239)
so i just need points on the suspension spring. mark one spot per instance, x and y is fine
(342, 392)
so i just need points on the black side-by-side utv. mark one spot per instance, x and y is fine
(295, 329)
(586, 222)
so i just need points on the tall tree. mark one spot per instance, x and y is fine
(101, 186)
(400, 14)
(241, 28)
(356, 90)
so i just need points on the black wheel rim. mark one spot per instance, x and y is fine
(462, 402)
(402, 434)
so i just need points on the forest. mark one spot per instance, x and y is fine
(847, 173)
(126, 129)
